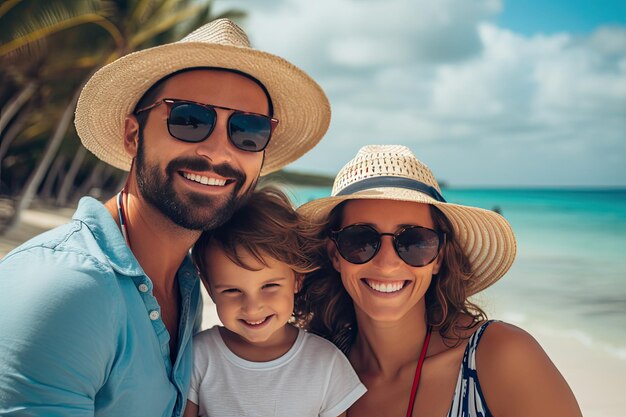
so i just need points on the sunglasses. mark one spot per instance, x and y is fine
(415, 245)
(193, 122)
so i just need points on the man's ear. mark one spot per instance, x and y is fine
(333, 255)
(131, 135)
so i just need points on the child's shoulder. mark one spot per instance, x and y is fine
(207, 335)
(317, 344)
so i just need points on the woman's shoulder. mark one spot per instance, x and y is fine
(502, 341)
(513, 367)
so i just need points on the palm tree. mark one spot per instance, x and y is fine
(129, 25)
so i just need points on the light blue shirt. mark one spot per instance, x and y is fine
(80, 330)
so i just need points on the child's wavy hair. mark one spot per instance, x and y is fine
(325, 308)
(266, 225)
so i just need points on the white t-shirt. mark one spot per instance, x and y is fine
(312, 379)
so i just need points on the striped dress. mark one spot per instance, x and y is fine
(468, 398)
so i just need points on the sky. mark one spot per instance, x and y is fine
(488, 93)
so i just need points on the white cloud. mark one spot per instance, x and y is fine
(468, 96)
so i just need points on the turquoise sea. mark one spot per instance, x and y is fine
(570, 272)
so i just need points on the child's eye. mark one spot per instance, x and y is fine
(271, 285)
(231, 291)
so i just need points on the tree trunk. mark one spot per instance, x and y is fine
(16, 103)
(85, 187)
(12, 131)
(35, 179)
(7, 139)
(70, 177)
(55, 172)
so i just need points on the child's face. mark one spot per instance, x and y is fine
(254, 304)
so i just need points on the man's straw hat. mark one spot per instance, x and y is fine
(392, 172)
(113, 92)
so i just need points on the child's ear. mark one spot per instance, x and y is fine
(333, 255)
(299, 279)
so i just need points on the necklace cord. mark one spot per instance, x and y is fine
(418, 372)
(122, 217)
(120, 205)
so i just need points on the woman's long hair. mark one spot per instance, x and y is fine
(325, 308)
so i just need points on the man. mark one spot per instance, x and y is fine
(96, 316)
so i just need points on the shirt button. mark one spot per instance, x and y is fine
(143, 287)
(154, 315)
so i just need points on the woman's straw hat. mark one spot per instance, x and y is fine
(113, 92)
(392, 172)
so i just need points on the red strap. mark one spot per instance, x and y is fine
(418, 372)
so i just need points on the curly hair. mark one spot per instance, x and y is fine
(266, 225)
(325, 308)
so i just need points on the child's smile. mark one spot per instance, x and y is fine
(253, 304)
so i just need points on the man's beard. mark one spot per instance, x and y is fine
(196, 211)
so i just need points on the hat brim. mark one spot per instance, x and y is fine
(485, 237)
(112, 93)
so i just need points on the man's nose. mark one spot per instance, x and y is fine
(217, 147)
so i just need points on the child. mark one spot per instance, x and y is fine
(258, 363)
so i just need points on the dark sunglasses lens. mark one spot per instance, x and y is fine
(417, 246)
(358, 244)
(190, 122)
(249, 132)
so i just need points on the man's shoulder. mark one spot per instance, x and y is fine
(66, 260)
(71, 245)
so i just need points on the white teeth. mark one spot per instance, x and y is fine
(215, 181)
(204, 180)
(255, 323)
(386, 288)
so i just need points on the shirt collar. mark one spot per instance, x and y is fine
(107, 233)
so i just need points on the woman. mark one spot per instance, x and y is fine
(397, 268)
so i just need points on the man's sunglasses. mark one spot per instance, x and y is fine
(415, 245)
(193, 122)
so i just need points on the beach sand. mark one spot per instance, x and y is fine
(597, 378)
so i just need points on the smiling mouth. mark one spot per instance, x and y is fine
(256, 323)
(386, 287)
(204, 180)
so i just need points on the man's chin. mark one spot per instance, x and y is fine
(202, 213)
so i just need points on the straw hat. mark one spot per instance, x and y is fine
(392, 172)
(113, 92)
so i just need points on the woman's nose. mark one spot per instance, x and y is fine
(387, 257)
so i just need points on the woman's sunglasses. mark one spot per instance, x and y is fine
(193, 122)
(415, 245)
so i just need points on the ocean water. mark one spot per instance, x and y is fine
(569, 276)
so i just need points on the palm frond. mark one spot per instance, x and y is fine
(159, 24)
(7, 5)
(143, 10)
(55, 17)
(232, 14)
